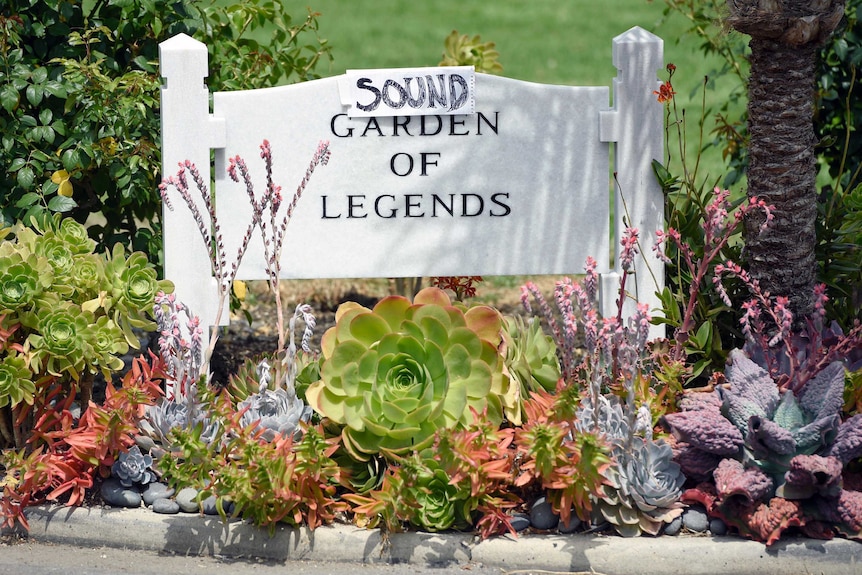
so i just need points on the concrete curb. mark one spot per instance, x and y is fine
(196, 535)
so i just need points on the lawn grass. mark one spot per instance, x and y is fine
(549, 41)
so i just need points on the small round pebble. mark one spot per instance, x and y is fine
(572, 526)
(674, 527)
(717, 526)
(520, 521)
(695, 519)
(119, 496)
(208, 505)
(542, 515)
(156, 491)
(166, 506)
(186, 500)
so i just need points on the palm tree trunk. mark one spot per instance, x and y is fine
(785, 35)
(782, 170)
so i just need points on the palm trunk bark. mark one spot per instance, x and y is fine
(785, 35)
(782, 171)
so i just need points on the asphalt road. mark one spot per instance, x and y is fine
(35, 558)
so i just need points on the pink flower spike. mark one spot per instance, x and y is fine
(820, 299)
(629, 243)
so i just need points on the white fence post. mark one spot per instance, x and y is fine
(189, 132)
(635, 126)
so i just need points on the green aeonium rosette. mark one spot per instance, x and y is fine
(394, 374)
(22, 280)
(16, 381)
(58, 345)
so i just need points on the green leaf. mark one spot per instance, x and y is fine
(27, 200)
(9, 98)
(17, 164)
(56, 89)
(61, 204)
(34, 94)
(40, 75)
(70, 160)
(45, 116)
(26, 178)
(703, 336)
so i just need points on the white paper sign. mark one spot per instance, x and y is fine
(439, 90)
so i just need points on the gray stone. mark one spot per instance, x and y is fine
(695, 519)
(186, 499)
(166, 506)
(156, 491)
(572, 526)
(115, 494)
(209, 505)
(542, 515)
(717, 526)
(520, 521)
(674, 527)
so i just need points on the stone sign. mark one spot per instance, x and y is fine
(434, 171)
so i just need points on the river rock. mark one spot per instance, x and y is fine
(717, 526)
(166, 506)
(156, 491)
(115, 494)
(542, 515)
(208, 505)
(520, 521)
(572, 526)
(186, 500)
(695, 519)
(674, 527)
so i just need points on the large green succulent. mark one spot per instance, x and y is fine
(530, 356)
(394, 374)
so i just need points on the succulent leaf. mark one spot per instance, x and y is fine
(751, 391)
(823, 395)
(706, 430)
(765, 437)
(811, 475)
(847, 445)
(732, 478)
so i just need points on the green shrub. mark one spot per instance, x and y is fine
(79, 101)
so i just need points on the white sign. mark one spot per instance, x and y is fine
(514, 179)
(406, 196)
(441, 90)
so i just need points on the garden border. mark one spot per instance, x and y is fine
(666, 555)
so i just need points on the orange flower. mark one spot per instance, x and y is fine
(665, 92)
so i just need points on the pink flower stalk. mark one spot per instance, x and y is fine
(591, 281)
(820, 299)
(751, 321)
(639, 325)
(784, 320)
(630, 248)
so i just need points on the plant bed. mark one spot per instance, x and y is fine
(436, 414)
